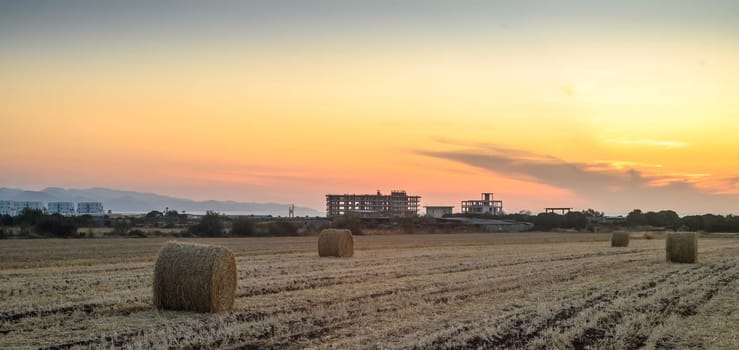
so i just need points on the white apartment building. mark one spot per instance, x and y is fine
(19, 206)
(7, 208)
(61, 208)
(90, 208)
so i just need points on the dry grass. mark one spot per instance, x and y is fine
(527, 291)
(194, 277)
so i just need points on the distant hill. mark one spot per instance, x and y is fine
(138, 202)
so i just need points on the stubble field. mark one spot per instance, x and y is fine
(461, 291)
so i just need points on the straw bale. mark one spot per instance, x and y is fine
(682, 247)
(336, 242)
(620, 239)
(194, 277)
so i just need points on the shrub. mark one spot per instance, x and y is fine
(350, 222)
(243, 227)
(56, 225)
(121, 227)
(211, 225)
(406, 223)
(185, 233)
(282, 228)
(29, 217)
(6, 220)
(137, 233)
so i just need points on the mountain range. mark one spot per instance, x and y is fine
(119, 201)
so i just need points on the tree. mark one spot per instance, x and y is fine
(121, 227)
(174, 214)
(29, 217)
(282, 228)
(692, 222)
(349, 221)
(153, 214)
(651, 218)
(668, 219)
(6, 220)
(211, 224)
(636, 218)
(713, 223)
(548, 221)
(56, 225)
(593, 213)
(406, 223)
(84, 220)
(243, 226)
(576, 220)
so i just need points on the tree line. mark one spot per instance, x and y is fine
(212, 224)
(36, 222)
(53, 225)
(670, 220)
(588, 219)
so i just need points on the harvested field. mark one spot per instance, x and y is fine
(463, 291)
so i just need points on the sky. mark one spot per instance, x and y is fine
(584, 104)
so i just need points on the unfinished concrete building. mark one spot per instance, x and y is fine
(485, 205)
(397, 203)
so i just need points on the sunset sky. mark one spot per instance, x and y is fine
(611, 105)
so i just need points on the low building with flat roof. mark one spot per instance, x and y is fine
(438, 211)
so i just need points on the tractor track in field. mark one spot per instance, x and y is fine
(323, 327)
(592, 336)
(327, 281)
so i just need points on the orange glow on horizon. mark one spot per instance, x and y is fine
(356, 121)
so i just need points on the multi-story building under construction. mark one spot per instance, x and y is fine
(397, 203)
(485, 205)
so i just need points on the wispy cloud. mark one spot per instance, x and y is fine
(726, 185)
(620, 165)
(653, 143)
(666, 179)
(617, 186)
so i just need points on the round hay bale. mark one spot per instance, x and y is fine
(620, 239)
(336, 242)
(194, 277)
(682, 247)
